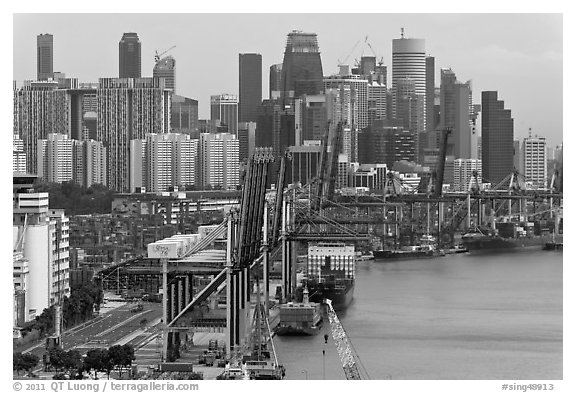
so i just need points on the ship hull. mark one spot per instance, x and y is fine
(341, 297)
(499, 244)
(393, 254)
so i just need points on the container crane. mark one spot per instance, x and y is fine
(342, 345)
(158, 56)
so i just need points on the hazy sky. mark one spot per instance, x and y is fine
(519, 55)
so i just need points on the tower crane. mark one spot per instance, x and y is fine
(157, 56)
(342, 345)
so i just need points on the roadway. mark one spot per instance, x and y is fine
(116, 325)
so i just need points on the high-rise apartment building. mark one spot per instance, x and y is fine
(162, 161)
(41, 237)
(45, 56)
(534, 161)
(224, 107)
(497, 138)
(129, 109)
(42, 109)
(130, 61)
(55, 161)
(250, 86)
(166, 68)
(219, 161)
(302, 66)
(409, 61)
(463, 172)
(18, 155)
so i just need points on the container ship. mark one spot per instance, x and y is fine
(423, 251)
(300, 318)
(330, 274)
(508, 236)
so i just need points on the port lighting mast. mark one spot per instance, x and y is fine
(342, 344)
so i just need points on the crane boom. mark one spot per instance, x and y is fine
(342, 344)
(157, 56)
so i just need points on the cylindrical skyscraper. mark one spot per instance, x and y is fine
(409, 61)
(302, 66)
(129, 54)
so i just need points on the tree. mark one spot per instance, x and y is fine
(121, 356)
(96, 360)
(72, 361)
(24, 361)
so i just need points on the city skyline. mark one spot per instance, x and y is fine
(526, 47)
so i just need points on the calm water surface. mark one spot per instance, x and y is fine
(458, 317)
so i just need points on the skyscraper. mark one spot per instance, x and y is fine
(166, 68)
(302, 66)
(219, 161)
(430, 70)
(250, 86)
(224, 107)
(275, 82)
(184, 115)
(45, 56)
(129, 109)
(409, 61)
(455, 113)
(534, 161)
(497, 138)
(129, 48)
(55, 158)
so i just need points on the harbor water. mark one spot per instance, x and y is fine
(457, 317)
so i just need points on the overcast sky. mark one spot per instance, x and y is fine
(519, 55)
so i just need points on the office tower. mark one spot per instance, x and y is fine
(18, 155)
(184, 115)
(246, 140)
(535, 160)
(357, 98)
(305, 163)
(55, 158)
(275, 82)
(41, 238)
(497, 138)
(302, 67)
(463, 170)
(224, 107)
(130, 64)
(376, 102)
(219, 162)
(250, 86)
(310, 118)
(44, 56)
(343, 175)
(268, 124)
(430, 88)
(455, 113)
(518, 163)
(409, 61)
(166, 68)
(129, 109)
(382, 144)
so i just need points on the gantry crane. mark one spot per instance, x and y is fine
(342, 344)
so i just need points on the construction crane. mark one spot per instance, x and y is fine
(157, 56)
(342, 344)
